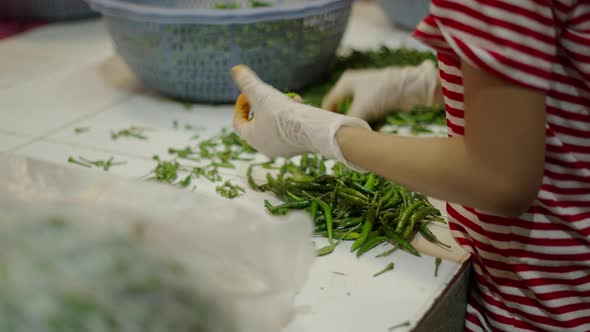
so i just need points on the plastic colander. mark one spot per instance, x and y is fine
(185, 49)
(46, 9)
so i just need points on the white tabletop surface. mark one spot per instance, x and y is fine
(65, 76)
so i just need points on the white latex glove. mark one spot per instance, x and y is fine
(281, 127)
(376, 92)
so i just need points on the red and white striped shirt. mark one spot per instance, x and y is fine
(532, 272)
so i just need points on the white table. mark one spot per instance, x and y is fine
(66, 76)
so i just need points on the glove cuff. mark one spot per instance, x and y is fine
(332, 149)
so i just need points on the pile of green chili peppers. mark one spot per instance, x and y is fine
(349, 206)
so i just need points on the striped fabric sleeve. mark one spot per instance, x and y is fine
(514, 40)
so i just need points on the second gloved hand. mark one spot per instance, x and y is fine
(282, 127)
(376, 92)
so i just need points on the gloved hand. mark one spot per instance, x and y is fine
(282, 127)
(376, 92)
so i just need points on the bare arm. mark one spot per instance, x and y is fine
(497, 166)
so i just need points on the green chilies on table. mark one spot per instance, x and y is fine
(329, 222)
(340, 234)
(367, 227)
(371, 181)
(402, 242)
(371, 244)
(346, 200)
(428, 235)
(314, 209)
(349, 222)
(419, 214)
(405, 216)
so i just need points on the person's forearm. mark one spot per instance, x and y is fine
(497, 166)
(441, 168)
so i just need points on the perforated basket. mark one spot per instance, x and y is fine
(406, 14)
(185, 49)
(46, 9)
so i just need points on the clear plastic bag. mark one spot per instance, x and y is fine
(244, 265)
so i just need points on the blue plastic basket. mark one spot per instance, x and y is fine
(46, 9)
(406, 13)
(185, 49)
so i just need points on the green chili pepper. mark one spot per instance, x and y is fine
(328, 214)
(341, 211)
(367, 227)
(390, 215)
(371, 244)
(405, 216)
(339, 234)
(352, 199)
(354, 193)
(333, 196)
(362, 188)
(389, 252)
(371, 181)
(418, 215)
(385, 198)
(394, 200)
(389, 267)
(402, 242)
(313, 209)
(374, 234)
(295, 205)
(428, 235)
(298, 173)
(326, 250)
(406, 197)
(294, 197)
(276, 210)
(311, 186)
(323, 179)
(349, 222)
(329, 249)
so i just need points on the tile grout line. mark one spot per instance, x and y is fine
(15, 134)
(48, 134)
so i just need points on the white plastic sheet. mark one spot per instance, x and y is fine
(249, 264)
